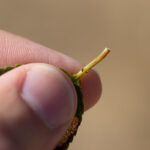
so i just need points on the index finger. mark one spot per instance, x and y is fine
(17, 50)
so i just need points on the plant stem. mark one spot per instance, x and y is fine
(92, 64)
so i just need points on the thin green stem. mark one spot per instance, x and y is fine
(92, 64)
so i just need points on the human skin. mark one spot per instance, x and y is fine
(23, 125)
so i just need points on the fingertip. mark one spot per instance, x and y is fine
(91, 88)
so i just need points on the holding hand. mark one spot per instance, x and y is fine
(37, 100)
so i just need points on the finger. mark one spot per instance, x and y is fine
(37, 104)
(17, 50)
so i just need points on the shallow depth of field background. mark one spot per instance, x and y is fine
(81, 29)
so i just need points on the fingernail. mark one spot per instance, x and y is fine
(49, 94)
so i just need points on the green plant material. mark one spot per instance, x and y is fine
(6, 69)
(77, 85)
(72, 130)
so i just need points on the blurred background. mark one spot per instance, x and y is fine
(82, 29)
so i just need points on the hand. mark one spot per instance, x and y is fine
(37, 100)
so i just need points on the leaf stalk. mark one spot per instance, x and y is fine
(92, 64)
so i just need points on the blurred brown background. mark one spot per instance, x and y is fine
(81, 29)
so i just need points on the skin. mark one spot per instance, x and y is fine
(23, 129)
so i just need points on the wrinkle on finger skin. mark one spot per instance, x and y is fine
(17, 50)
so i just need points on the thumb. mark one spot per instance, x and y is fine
(37, 104)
